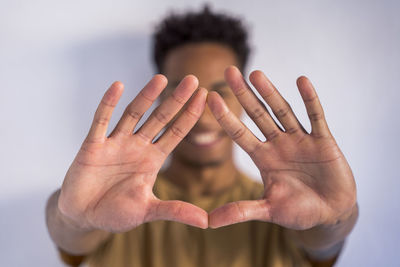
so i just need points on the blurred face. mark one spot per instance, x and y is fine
(207, 143)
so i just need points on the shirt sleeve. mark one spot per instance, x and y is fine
(312, 262)
(324, 263)
(71, 260)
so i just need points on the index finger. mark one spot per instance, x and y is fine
(314, 109)
(98, 130)
(231, 124)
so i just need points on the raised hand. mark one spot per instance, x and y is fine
(307, 180)
(109, 184)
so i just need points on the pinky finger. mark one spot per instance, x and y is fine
(98, 130)
(231, 124)
(319, 126)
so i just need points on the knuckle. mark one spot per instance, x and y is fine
(143, 136)
(317, 135)
(134, 114)
(178, 98)
(222, 117)
(282, 112)
(273, 134)
(123, 132)
(240, 92)
(238, 133)
(292, 130)
(312, 99)
(177, 210)
(161, 116)
(253, 152)
(258, 113)
(241, 213)
(101, 121)
(316, 116)
(192, 113)
(269, 95)
(145, 97)
(106, 103)
(177, 132)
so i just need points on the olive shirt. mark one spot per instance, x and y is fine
(172, 244)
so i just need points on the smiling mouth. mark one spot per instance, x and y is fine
(203, 139)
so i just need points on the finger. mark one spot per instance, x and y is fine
(139, 105)
(280, 107)
(314, 109)
(184, 123)
(98, 130)
(231, 124)
(168, 108)
(178, 211)
(251, 104)
(240, 211)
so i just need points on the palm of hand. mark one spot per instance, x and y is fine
(120, 198)
(306, 177)
(307, 180)
(109, 185)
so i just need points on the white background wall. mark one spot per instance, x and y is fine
(58, 57)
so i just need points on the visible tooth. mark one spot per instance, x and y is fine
(204, 138)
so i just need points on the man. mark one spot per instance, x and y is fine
(115, 208)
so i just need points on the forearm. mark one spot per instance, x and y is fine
(67, 235)
(325, 241)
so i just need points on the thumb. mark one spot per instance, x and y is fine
(178, 211)
(240, 211)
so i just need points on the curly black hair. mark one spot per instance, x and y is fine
(191, 27)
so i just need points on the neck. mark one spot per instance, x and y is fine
(202, 179)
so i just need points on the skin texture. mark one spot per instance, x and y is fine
(309, 186)
(195, 167)
(109, 184)
(307, 180)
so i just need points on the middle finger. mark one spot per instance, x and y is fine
(280, 107)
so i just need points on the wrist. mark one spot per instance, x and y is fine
(68, 234)
(342, 219)
(325, 237)
(68, 221)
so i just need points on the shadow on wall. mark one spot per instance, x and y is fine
(98, 63)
